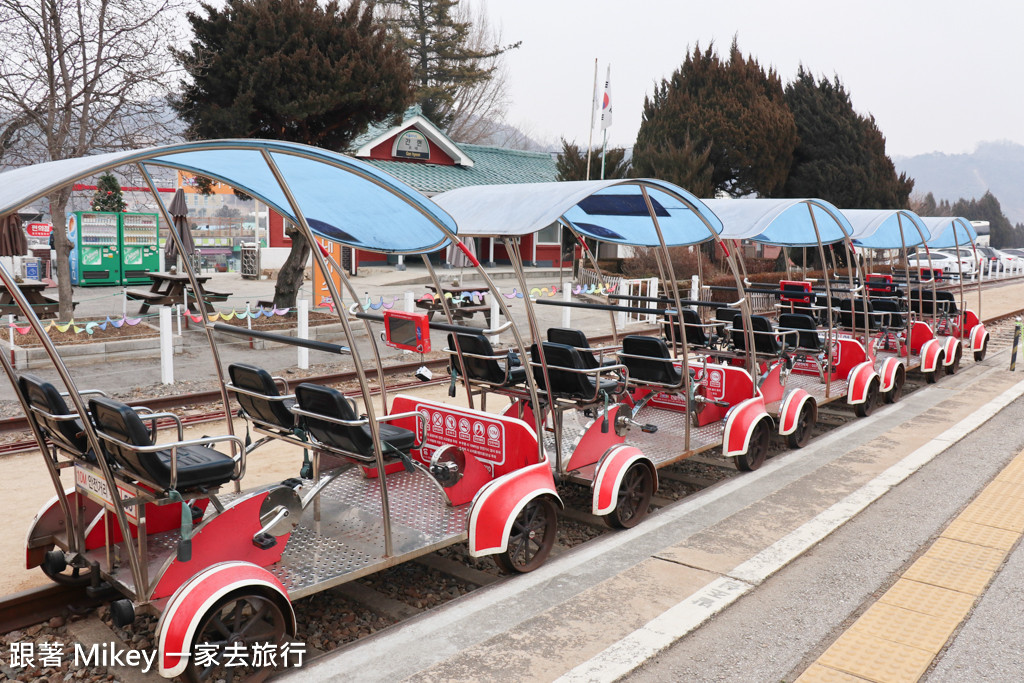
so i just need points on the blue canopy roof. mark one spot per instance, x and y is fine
(950, 231)
(785, 222)
(882, 228)
(607, 210)
(342, 199)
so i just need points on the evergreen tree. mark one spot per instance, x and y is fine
(572, 163)
(290, 70)
(108, 195)
(734, 109)
(440, 47)
(840, 155)
(1002, 233)
(686, 166)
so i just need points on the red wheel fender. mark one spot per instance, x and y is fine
(890, 368)
(951, 345)
(180, 619)
(930, 355)
(860, 380)
(610, 471)
(497, 504)
(789, 414)
(740, 422)
(50, 522)
(979, 336)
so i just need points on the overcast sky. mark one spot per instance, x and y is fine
(936, 75)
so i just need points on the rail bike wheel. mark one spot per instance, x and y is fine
(234, 624)
(956, 360)
(634, 501)
(980, 355)
(896, 392)
(870, 401)
(532, 537)
(940, 370)
(804, 426)
(757, 451)
(56, 568)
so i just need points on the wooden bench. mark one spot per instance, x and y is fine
(217, 297)
(149, 299)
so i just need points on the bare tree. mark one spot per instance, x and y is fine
(80, 77)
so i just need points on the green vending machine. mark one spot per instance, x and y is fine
(95, 257)
(140, 247)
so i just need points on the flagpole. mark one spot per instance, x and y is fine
(593, 109)
(606, 116)
(604, 151)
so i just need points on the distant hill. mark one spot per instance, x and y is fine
(995, 166)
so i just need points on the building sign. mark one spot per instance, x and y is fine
(321, 293)
(38, 229)
(412, 144)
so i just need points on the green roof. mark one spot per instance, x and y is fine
(492, 166)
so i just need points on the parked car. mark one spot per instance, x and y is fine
(967, 253)
(950, 264)
(1006, 261)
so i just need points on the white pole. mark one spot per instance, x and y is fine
(566, 311)
(533, 250)
(124, 304)
(401, 262)
(10, 329)
(303, 332)
(166, 347)
(694, 289)
(494, 315)
(177, 309)
(593, 110)
(410, 304)
(248, 316)
(490, 247)
(652, 291)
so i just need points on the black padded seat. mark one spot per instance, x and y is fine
(726, 315)
(68, 435)
(488, 369)
(894, 313)
(655, 363)
(355, 440)
(851, 314)
(198, 466)
(807, 330)
(576, 338)
(764, 336)
(274, 413)
(692, 325)
(580, 386)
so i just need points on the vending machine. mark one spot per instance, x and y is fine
(95, 257)
(140, 247)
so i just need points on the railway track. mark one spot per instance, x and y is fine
(355, 610)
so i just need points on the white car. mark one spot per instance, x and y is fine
(949, 264)
(1006, 261)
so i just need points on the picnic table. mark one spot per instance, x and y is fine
(169, 289)
(44, 306)
(461, 308)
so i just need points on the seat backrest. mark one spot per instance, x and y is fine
(851, 314)
(795, 292)
(764, 335)
(575, 338)
(656, 363)
(807, 335)
(946, 302)
(322, 400)
(563, 383)
(695, 335)
(66, 434)
(477, 368)
(726, 315)
(258, 380)
(121, 422)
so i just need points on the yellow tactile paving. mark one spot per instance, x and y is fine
(816, 673)
(990, 516)
(907, 627)
(928, 599)
(876, 659)
(948, 575)
(1006, 488)
(980, 534)
(897, 637)
(969, 554)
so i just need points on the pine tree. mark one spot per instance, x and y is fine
(439, 47)
(734, 110)
(108, 195)
(290, 70)
(841, 155)
(572, 163)
(685, 166)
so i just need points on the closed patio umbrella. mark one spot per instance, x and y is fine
(12, 238)
(179, 214)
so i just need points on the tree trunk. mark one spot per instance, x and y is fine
(58, 206)
(290, 277)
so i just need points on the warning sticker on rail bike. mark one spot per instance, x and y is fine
(92, 484)
(475, 433)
